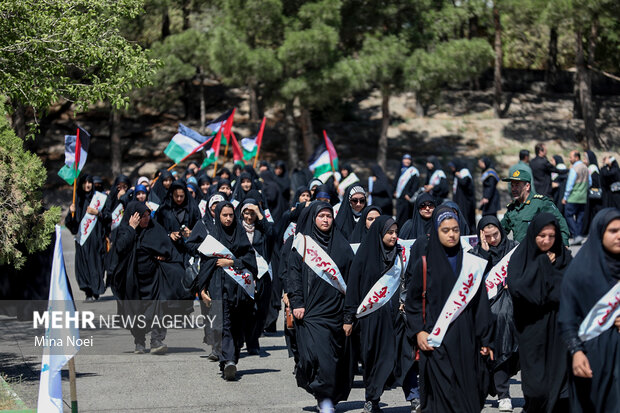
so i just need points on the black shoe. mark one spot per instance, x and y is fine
(253, 352)
(89, 300)
(230, 371)
(158, 348)
(213, 357)
(140, 349)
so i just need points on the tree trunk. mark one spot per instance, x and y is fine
(291, 136)
(473, 27)
(585, 88)
(254, 110)
(497, 74)
(18, 119)
(116, 149)
(203, 106)
(551, 73)
(165, 23)
(307, 133)
(419, 108)
(385, 123)
(186, 12)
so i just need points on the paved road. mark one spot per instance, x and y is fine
(183, 380)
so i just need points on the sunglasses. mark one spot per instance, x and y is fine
(358, 200)
(427, 205)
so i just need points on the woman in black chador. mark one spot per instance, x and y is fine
(489, 204)
(381, 190)
(214, 283)
(436, 182)
(148, 275)
(535, 275)
(369, 214)
(377, 256)
(463, 191)
(89, 266)
(260, 233)
(353, 202)
(323, 368)
(178, 215)
(420, 224)
(591, 285)
(493, 246)
(449, 370)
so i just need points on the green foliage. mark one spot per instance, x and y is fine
(451, 62)
(382, 59)
(25, 227)
(69, 49)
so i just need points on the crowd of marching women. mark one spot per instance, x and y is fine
(422, 296)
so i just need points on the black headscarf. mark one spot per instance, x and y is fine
(132, 208)
(300, 190)
(558, 159)
(82, 198)
(592, 158)
(113, 196)
(382, 184)
(229, 236)
(225, 171)
(324, 239)
(462, 221)
(283, 180)
(488, 163)
(238, 193)
(360, 230)
(172, 215)
(436, 164)
(418, 227)
(159, 192)
(531, 275)
(498, 252)
(346, 219)
(324, 190)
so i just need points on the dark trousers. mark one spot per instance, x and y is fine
(574, 217)
(410, 384)
(158, 334)
(232, 330)
(212, 334)
(501, 378)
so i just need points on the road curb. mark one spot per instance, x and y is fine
(21, 406)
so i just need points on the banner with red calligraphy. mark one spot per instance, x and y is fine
(319, 262)
(602, 316)
(89, 221)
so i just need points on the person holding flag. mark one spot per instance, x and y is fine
(83, 222)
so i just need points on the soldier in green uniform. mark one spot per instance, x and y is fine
(526, 205)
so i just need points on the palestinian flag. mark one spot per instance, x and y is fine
(251, 146)
(237, 151)
(76, 152)
(215, 125)
(184, 143)
(324, 160)
(213, 151)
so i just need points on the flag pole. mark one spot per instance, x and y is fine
(72, 386)
(260, 133)
(215, 169)
(76, 162)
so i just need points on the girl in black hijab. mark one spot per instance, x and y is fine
(436, 182)
(243, 185)
(381, 190)
(610, 182)
(148, 272)
(449, 372)
(493, 245)
(594, 375)
(118, 196)
(558, 182)
(369, 215)
(490, 202)
(161, 187)
(282, 179)
(276, 203)
(89, 266)
(464, 193)
(260, 233)
(534, 279)
(323, 368)
(213, 283)
(378, 339)
(420, 224)
(178, 215)
(351, 209)
(593, 205)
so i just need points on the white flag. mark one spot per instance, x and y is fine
(50, 387)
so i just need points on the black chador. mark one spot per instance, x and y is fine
(323, 368)
(89, 268)
(378, 340)
(592, 275)
(506, 356)
(463, 192)
(534, 283)
(450, 372)
(178, 215)
(115, 198)
(260, 233)
(418, 227)
(347, 217)
(148, 274)
(360, 230)
(214, 280)
(381, 190)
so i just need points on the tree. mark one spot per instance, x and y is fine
(69, 49)
(25, 226)
(243, 51)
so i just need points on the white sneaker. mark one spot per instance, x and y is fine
(505, 405)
